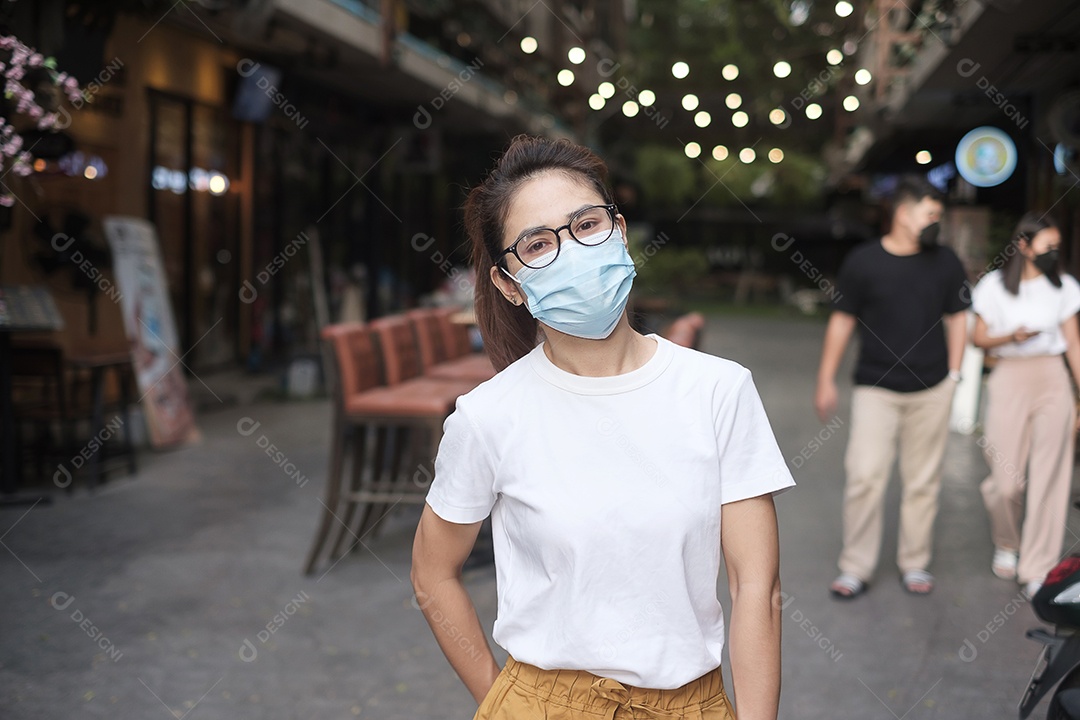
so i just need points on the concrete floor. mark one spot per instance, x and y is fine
(178, 591)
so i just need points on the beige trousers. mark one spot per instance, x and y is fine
(1028, 445)
(881, 421)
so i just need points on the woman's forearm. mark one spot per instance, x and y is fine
(754, 640)
(452, 616)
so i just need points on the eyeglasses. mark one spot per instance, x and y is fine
(539, 247)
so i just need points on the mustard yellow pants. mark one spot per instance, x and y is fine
(525, 692)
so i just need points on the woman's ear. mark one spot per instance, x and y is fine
(620, 222)
(509, 289)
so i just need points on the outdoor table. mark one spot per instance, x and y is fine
(99, 363)
(23, 308)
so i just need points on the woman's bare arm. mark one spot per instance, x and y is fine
(439, 551)
(751, 545)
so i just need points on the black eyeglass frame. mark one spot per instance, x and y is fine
(613, 211)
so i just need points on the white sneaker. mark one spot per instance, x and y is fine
(1031, 588)
(1004, 563)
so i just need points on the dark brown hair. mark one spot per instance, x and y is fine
(509, 331)
(912, 189)
(1030, 225)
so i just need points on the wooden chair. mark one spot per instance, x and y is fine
(431, 340)
(380, 406)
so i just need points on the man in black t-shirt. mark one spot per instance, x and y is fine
(905, 295)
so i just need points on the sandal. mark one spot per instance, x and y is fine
(1004, 564)
(918, 582)
(847, 587)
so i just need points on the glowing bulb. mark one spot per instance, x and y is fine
(702, 119)
(692, 150)
(844, 8)
(606, 90)
(680, 70)
(851, 103)
(923, 157)
(834, 57)
(730, 72)
(733, 100)
(720, 152)
(646, 98)
(781, 69)
(529, 45)
(630, 108)
(740, 119)
(218, 184)
(90, 172)
(576, 55)
(863, 76)
(565, 77)
(813, 111)
(597, 102)
(777, 116)
(776, 155)
(690, 102)
(747, 155)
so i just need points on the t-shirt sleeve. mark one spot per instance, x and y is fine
(463, 488)
(849, 297)
(1070, 297)
(750, 460)
(984, 299)
(957, 296)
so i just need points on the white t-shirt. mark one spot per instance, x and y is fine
(605, 495)
(1038, 306)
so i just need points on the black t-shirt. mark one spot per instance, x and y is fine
(899, 301)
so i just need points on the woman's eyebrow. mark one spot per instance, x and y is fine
(535, 228)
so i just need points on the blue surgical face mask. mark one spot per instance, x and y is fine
(584, 292)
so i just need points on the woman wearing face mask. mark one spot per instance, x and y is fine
(1026, 317)
(616, 468)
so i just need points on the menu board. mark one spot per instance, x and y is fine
(28, 307)
(151, 331)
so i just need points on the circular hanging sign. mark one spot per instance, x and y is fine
(986, 157)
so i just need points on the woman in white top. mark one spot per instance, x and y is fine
(615, 466)
(1026, 317)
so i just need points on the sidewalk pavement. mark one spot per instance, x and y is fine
(178, 592)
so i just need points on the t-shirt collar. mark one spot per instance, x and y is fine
(610, 385)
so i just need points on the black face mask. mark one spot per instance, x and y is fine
(1046, 261)
(928, 238)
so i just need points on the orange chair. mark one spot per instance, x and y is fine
(379, 420)
(431, 340)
